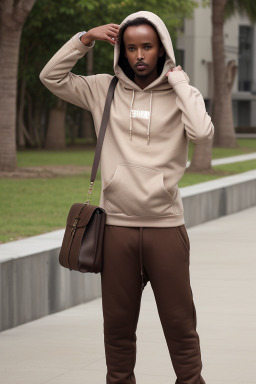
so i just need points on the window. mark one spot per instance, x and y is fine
(245, 58)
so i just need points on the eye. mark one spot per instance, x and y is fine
(130, 48)
(147, 47)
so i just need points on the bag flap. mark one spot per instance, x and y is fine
(80, 214)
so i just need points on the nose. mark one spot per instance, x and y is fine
(140, 54)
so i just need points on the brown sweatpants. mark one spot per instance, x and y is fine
(160, 255)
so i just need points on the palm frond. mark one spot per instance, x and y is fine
(241, 6)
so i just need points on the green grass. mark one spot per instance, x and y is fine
(244, 146)
(33, 206)
(221, 171)
(243, 166)
(32, 158)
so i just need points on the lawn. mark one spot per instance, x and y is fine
(36, 205)
(85, 157)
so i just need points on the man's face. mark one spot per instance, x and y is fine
(142, 50)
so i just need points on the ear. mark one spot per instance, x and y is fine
(161, 51)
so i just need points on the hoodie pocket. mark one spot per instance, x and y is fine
(138, 191)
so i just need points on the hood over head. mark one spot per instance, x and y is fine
(162, 81)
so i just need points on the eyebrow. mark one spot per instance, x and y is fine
(142, 43)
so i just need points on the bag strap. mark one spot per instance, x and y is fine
(101, 135)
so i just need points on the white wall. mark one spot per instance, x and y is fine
(196, 42)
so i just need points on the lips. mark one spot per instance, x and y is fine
(140, 64)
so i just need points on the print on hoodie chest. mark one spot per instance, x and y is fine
(140, 118)
(138, 110)
(139, 114)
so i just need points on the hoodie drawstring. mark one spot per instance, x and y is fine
(149, 119)
(141, 261)
(148, 132)
(131, 115)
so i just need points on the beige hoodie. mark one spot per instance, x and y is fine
(145, 149)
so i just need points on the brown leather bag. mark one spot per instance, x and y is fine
(82, 244)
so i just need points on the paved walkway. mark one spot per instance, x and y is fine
(232, 159)
(246, 135)
(67, 347)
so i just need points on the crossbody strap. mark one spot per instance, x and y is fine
(103, 128)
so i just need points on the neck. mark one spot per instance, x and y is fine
(144, 81)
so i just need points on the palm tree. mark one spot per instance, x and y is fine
(222, 102)
(12, 17)
(224, 75)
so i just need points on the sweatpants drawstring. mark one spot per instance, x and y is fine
(141, 261)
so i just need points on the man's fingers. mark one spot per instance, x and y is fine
(116, 30)
(115, 25)
(112, 34)
(110, 40)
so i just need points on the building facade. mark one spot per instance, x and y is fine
(195, 52)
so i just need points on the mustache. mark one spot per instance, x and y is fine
(140, 63)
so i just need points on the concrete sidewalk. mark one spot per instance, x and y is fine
(67, 347)
(231, 159)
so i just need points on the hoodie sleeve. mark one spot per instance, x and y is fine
(198, 124)
(56, 75)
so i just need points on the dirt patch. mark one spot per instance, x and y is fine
(48, 171)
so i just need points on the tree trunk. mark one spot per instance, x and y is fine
(20, 122)
(12, 17)
(202, 156)
(72, 125)
(37, 125)
(9, 52)
(22, 130)
(55, 136)
(30, 118)
(222, 114)
(87, 126)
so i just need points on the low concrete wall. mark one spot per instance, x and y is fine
(33, 284)
(212, 199)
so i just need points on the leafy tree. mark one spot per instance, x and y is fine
(49, 26)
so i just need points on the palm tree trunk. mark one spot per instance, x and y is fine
(12, 17)
(9, 52)
(222, 114)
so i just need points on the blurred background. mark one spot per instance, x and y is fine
(46, 144)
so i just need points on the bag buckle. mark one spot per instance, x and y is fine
(74, 227)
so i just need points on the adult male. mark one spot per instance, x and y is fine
(153, 115)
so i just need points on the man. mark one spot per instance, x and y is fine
(153, 115)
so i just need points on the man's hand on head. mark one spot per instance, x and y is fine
(107, 32)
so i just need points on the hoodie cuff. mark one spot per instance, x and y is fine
(77, 44)
(176, 77)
